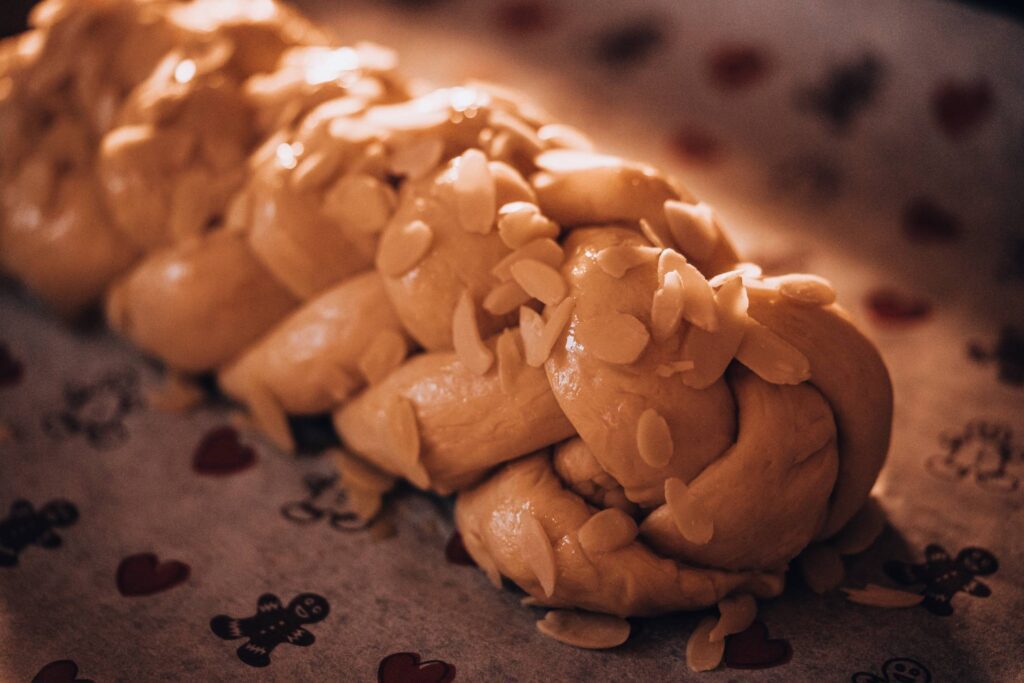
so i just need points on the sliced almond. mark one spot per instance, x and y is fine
(538, 554)
(693, 228)
(521, 222)
(767, 585)
(539, 336)
(500, 145)
(750, 271)
(238, 216)
(484, 560)
(360, 202)
(572, 160)
(177, 394)
(667, 307)
(613, 337)
(520, 135)
(585, 629)
(510, 183)
(316, 170)
(545, 250)
(505, 298)
(862, 531)
(539, 280)
(712, 352)
(648, 231)
(673, 368)
(771, 357)
(372, 161)
(385, 353)
(737, 614)
(620, 259)
(608, 530)
(403, 436)
(531, 601)
(475, 192)
(402, 247)
(805, 289)
(558, 135)
(699, 305)
(693, 521)
(822, 567)
(510, 360)
(364, 503)
(469, 347)
(416, 158)
(359, 473)
(702, 653)
(880, 596)
(654, 439)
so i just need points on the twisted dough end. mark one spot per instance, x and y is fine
(849, 372)
(499, 521)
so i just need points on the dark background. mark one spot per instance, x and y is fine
(13, 13)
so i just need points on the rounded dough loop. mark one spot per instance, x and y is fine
(292, 231)
(629, 581)
(198, 305)
(310, 362)
(768, 494)
(307, 76)
(319, 191)
(179, 150)
(62, 84)
(425, 296)
(468, 423)
(605, 401)
(61, 244)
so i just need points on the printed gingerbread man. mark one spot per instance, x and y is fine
(26, 526)
(272, 625)
(944, 576)
(898, 670)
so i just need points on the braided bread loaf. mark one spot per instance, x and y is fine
(635, 420)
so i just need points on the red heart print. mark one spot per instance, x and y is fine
(455, 551)
(524, 16)
(960, 107)
(11, 369)
(735, 67)
(406, 667)
(925, 221)
(752, 649)
(695, 146)
(890, 306)
(61, 671)
(221, 452)
(144, 574)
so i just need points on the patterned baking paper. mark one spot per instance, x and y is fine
(879, 144)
